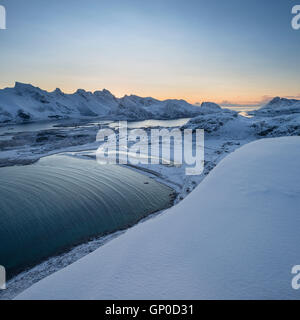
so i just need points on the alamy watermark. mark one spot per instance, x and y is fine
(296, 18)
(2, 278)
(2, 17)
(296, 278)
(151, 147)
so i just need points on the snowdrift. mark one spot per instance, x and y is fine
(235, 237)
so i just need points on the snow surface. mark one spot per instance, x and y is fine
(235, 237)
(25, 103)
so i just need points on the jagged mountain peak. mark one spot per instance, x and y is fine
(23, 87)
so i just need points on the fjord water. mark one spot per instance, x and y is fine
(61, 201)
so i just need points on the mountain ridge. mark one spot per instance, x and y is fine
(25, 102)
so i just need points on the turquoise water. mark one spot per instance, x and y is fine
(62, 201)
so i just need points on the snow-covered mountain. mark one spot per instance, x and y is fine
(278, 106)
(211, 118)
(25, 102)
(280, 117)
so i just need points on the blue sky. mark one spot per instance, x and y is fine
(232, 51)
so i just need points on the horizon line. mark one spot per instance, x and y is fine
(229, 104)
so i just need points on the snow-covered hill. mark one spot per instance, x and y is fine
(242, 246)
(280, 117)
(25, 102)
(279, 106)
(212, 118)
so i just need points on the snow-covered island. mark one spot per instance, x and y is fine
(232, 233)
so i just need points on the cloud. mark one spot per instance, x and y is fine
(264, 100)
(293, 97)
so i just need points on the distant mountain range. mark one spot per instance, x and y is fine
(25, 102)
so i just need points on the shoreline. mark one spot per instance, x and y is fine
(31, 275)
(215, 150)
(27, 278)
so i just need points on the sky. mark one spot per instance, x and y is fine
(230, 52)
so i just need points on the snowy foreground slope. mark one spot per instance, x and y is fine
(25, 103)
(235, 237)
